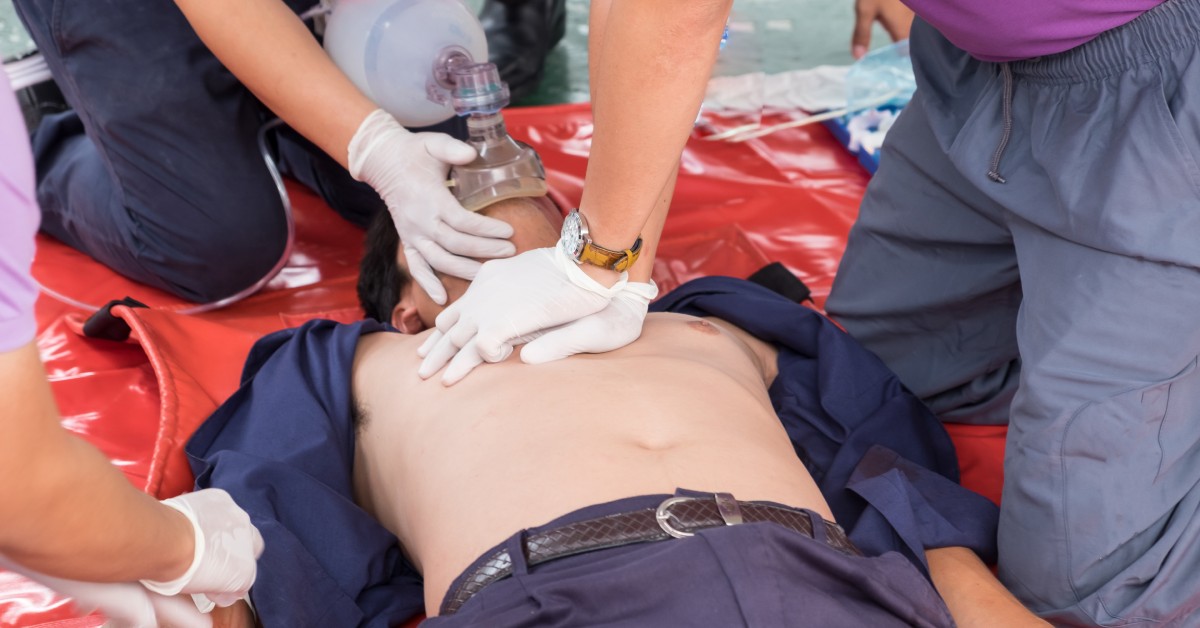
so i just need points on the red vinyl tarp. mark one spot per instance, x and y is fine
(789, 197)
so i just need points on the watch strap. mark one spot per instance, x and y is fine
(619, 261)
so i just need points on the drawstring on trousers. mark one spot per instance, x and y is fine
(1006, 107)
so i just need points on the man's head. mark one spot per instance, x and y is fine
(386, 289)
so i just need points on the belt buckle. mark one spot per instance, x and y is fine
(727, 505)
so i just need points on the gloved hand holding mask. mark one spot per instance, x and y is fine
(409, 171)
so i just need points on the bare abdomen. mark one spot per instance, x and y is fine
(514, 446)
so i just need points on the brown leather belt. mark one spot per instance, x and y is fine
(676, 517)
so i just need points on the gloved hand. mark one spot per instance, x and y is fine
(227, 548)
(409, 171)
(124, 604)
(607, 330)
(511, 301)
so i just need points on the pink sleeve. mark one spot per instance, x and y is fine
(19, 218)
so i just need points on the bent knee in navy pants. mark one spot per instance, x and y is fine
(156, 171)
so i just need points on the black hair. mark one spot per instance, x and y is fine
(381, 280)
(358, 415)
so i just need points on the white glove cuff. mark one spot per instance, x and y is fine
(173, 587)
(375, 125)
(647, 291)
(581, 279)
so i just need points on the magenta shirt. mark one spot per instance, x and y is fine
(19, 218)
(1008, 30)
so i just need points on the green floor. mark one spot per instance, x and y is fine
(14, 41)
(765, 35)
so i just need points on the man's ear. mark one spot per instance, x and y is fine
(406, 319)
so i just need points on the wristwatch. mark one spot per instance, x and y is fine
(578, 245)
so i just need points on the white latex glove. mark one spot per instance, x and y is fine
(124, 604)
(607, 330)
(409, 171)
(511, 301)
(227, 549)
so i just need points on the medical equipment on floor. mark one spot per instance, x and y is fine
(868, 128)
(878, 86)
(883, 78)
(874, 89)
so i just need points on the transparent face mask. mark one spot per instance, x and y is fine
(505, 168)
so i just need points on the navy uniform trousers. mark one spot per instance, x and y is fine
(1062, 300)
(156, 172)
(756, 575)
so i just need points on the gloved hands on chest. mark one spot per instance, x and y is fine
(543, 298)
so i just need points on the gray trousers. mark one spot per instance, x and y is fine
(1064, 301)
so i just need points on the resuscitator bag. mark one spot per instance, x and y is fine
(392, 49)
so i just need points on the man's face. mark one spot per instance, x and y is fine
(536, 224)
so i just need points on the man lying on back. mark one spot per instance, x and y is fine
(555, 493)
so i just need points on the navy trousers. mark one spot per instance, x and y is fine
(757, 574)
(156, 172)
